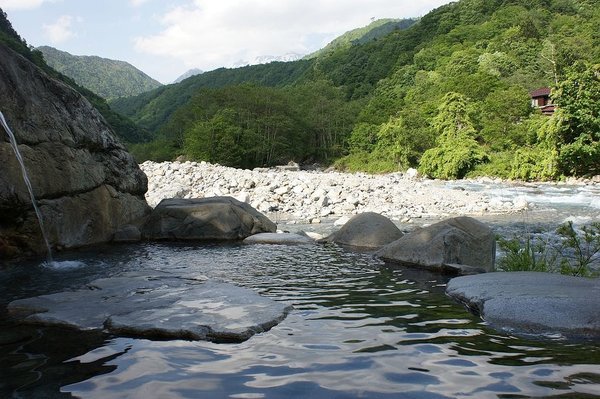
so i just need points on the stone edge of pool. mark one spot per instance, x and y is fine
(157, 306)
(532, 303)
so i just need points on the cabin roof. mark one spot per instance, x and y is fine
(541, 92)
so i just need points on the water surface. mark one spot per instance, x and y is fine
(359, 329)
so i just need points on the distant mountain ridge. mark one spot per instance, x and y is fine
(373, 31)
(188, 74)
(108, 78)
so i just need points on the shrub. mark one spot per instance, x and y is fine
(573, 252)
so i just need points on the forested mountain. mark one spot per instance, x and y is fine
(152, 110)
(449, 95)
(108, 78)
(128, 131)
(373, 31)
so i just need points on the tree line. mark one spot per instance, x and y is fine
(448, 95)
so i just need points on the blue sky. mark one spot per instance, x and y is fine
(165, 38)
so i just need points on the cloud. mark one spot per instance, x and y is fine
(10, 5)
(60, 31)
(137, 3)
(210, 34)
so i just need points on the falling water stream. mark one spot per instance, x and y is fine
(38, 213)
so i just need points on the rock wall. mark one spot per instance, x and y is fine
(86, 183)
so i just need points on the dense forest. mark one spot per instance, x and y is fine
(448, 94)
(127, 130)
(108, 78)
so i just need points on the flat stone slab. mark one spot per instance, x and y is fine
(279, 239)
(159, 306)
(532, 303)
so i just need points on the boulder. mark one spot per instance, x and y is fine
(214, 218)
(442, 246)
(156, 306)
(532, 303)
(86, 183)
(366, 230)
(128, 233)
(279, 238)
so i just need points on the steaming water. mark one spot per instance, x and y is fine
(359, 329)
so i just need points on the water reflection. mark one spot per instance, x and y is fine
(359, 329)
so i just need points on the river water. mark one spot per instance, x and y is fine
(359, 329)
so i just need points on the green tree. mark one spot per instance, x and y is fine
(215, 140)
(456, 152)
(578, 120)
(538, 159)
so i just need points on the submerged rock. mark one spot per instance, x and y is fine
(279, 238)
(366, 230)
(215, 218)
(158, 306)
(532, 303)
(457, 241)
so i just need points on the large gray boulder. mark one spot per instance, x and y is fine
(86, 182)
(446, 245)
(207, 219)
(532, 303)
(156, 306)
(367, 230)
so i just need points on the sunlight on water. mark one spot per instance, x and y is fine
(64, 265)
(359, 328)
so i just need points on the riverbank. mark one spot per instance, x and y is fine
(311, 196)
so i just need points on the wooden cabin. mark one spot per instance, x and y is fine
(540, 99)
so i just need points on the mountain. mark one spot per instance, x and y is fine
(448, 95)
(152, 110)
(127, 131)
(373, 31)
(189, 74)
(108, 78)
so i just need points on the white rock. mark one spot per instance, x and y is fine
(341, 221)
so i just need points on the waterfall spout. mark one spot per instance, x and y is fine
(15, 147)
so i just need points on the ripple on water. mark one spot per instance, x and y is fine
(359, 329)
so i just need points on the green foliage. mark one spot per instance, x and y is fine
(530, 256)
(249, 125)
(154, 109)
(499, 164)
(373, 105)
(580, 249)
(373, 31)
(370, 162)
(107, 78)
(578, 120)
(123, 127)
(575, 252)
(456, 152)
(157, 150)
(216, 140)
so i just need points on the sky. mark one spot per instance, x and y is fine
(165, 38)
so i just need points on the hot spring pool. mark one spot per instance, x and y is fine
(359, 329)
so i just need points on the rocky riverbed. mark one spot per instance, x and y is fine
(309, 196)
